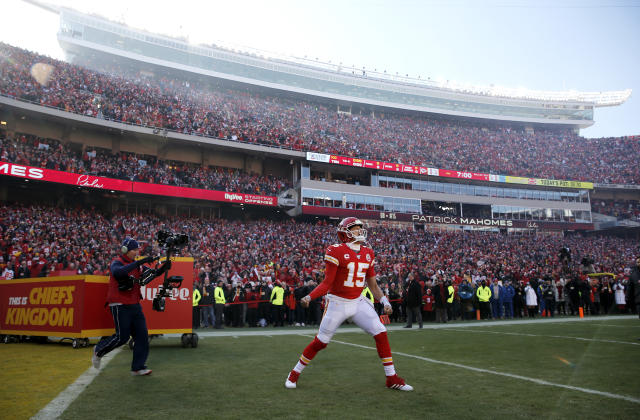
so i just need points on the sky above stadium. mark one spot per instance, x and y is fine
(583, 45)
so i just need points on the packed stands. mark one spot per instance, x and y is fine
(52, 154)
(50, 239)
(621, 209)
(215, 111)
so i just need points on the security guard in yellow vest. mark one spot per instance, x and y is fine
(277, 305)
(451, 293)
(367, 293)
(484, 294)
(196, 310)
(218, 294)
(196, 296)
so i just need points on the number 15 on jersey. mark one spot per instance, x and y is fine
(358, 273)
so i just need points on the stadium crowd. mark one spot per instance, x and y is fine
(215, 111)
(36, 151)
(52, 154)
(258, 255)
(621, 209)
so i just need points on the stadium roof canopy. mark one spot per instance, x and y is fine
(87, 35)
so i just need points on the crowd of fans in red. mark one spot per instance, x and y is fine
(51, 154)
(38, 240)
(621, 209)
(191, 108)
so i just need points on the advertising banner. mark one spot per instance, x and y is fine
(49, 175)
(74, 306)
(99, 182)
(67, 306)
(444, 220)
(202, 194)
(179, 308)
(446, 173)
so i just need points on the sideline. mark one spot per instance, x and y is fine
(508, 375)
(548, 336)
(243, 332)
(56, 407)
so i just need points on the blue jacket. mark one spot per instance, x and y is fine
(500, 293)
(509, 293)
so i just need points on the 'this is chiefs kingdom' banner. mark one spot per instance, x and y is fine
(74, 306)
(446, 173)
(66, 306)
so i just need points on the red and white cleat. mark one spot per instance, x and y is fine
(292, 380)
(396, 382)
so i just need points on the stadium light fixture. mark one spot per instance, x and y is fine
(3, 123)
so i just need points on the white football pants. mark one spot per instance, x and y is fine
(360, 310)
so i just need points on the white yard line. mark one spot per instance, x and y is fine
(568, 337)
(240, 332)
(508, 375)
(618, 326)
(56, 407)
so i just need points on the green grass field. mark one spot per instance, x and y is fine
(243, 376)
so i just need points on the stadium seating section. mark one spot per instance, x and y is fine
(197, 108)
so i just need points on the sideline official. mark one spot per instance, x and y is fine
(123, 298)
(484, 296)
(220, 300)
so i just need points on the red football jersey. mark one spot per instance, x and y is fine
(353, 269)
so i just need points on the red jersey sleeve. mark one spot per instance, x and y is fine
(332, 262)
(332, 255)
(325, 285)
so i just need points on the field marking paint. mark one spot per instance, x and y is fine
(508, 375)
(618, 326)
(56, 407)
(548, 336)
(470, 324)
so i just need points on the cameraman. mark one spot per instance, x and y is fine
(123, 298)
(586, 265)
(565, 258)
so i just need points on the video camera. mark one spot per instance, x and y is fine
(173, 282)
(586, 261)
(170, 242)
(565, 254)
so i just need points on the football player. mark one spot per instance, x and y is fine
(348, 268)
